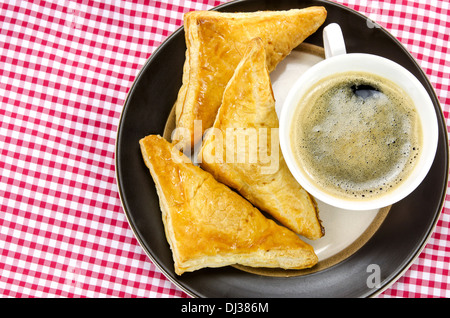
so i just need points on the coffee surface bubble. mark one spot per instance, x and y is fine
(356, 135)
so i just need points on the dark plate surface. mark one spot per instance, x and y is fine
(393, 247)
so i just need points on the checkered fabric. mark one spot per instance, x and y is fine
(65, 69)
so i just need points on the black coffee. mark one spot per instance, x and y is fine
(356, 135)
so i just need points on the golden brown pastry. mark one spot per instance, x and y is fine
(242, 148)
(209, 225)
(215, 43)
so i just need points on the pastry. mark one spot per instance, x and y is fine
(209, 225)
(242, 148)
(216, 42)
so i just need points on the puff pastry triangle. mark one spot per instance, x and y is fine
(216, 42)
(242, 148)
(209, 225)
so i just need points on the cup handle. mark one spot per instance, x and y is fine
(333, 40)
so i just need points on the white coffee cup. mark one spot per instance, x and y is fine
(337, 61)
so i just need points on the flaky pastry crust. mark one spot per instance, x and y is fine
(216, 42)
(209, 225)
(246, 128)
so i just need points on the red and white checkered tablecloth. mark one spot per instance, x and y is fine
(65, 69)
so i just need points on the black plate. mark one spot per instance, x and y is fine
(393, 247)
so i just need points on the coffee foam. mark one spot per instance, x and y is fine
(352, 146)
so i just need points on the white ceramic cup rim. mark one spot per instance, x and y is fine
(387, 69)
